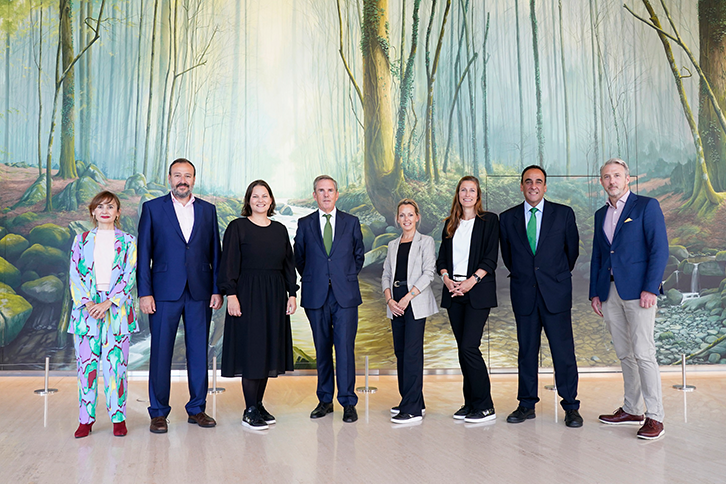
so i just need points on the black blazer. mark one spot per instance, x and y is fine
(550, 268)
(483, 254)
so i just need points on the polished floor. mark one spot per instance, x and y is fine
(37, 444)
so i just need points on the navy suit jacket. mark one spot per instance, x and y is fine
(550, 268)
(167, 262)
(637, 255)
(339, 270)
(483, 254)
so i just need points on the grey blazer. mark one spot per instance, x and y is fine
(420, 273)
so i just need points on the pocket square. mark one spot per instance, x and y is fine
(628, 220)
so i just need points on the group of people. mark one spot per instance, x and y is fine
(183, 273)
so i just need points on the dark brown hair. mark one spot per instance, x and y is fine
(452, 221)
(183, 160)
(247, 208)
(104, 196)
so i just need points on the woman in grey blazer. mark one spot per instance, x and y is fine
(408, 271)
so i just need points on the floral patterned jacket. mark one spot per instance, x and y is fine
(121, 316)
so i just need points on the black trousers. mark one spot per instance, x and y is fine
(467, 323)
(558, 328)
(408, 339)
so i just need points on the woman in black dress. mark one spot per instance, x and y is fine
(257, 273)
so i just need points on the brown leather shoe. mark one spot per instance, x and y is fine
(202, 419)
(651, 429)
(158, 425)
(621, 417)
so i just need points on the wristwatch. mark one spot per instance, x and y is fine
(445, 274)
(476, 278)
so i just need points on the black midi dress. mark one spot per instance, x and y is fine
(258, 266)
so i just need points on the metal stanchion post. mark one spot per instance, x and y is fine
(684, 387)
(214, 388)
(45, 390)
(367, 389)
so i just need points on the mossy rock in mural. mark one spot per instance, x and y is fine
(12, 245)
(711, 268)
(303, 361)
(378, 226)
(383, 239)
(721, 256)
(3, 232)
(29, 276)
(14, 312)
(22, 219)
(9, 274)
(97, 175)
(376, 256)
(678, 251)
(368, 236)
(358, 209)
(79, 226)
(48, 289)
(671, 265)
(5, 289)
(128, 224)
(157, 187)
(87, 189)
(51, 235)
(136, 182)
(285, 210)
(66, 199)
(43, 260)
(225, 210)
(34, 194)
(674, 296)
(80, 166)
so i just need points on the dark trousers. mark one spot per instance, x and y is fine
(408, 340)
(163, 324)
(467, 323)
(333, 325)
(558, 328)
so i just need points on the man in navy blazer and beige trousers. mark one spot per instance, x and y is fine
(629, 255)
(540, 245)
(178, 261)
(329, 254)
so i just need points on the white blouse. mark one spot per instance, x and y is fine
(103, 256)
(461, 246)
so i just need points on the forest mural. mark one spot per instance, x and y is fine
(393, 98)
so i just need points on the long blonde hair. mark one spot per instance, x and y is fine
(457, 211)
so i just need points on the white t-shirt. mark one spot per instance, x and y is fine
(103, 256)
(460, 247)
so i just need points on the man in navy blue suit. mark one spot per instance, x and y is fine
(178, 260)
(329, 254)
(540, 245)
(629, 256)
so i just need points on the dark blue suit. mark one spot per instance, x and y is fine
(638, 254)
(541, 292)
(182, 277)
(331, 296)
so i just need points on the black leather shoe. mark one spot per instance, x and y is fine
(573, 418)
(349, 414)
(520, 415)
(322, 410)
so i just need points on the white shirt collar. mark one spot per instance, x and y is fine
(175, 200)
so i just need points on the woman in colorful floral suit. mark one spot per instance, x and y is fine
(102, 274)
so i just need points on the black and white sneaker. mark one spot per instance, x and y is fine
(481, 416)
(253, 420)
(396, 410)
(403, 418)
(462, 412)
(266, 416)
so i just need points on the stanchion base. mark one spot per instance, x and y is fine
(217, 390)
(366, 389)
(684, 388)
(43, 391)
(551, 388)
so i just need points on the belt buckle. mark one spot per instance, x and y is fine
(396, 284)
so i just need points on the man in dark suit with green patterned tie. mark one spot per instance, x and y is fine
(540, 245)
(329, 254)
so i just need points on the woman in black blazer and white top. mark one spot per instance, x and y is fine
(408, 270)
(467, 260)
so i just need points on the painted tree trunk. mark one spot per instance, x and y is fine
(68, 109)
(537, 84)
(383, 178)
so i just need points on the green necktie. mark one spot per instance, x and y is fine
(327, 233)
(532, 230)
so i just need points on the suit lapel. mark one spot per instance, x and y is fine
(519, 225)
(169, 209)
(547, 217)
(116, 271)
(87, 250)
(338, 231)
(476, 240)
(413, 254)
(317, 230)
(629, 204)
(197, 218)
